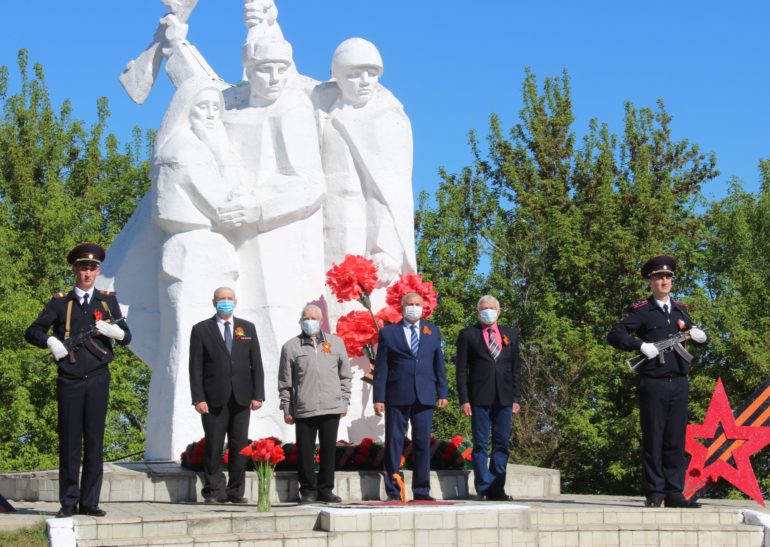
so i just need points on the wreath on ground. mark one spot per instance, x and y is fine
(367, 455)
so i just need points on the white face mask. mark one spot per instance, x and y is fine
(412, 312)
(488, 316)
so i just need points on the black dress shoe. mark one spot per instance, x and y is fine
(654, 502)
(682, 503)
(499, 497)
(65, 512)
(239, 501)
(214, 501)
(94, 511)
(393, 498)
(329, 497)
(424, 497)
(480, 497)
(307, 498)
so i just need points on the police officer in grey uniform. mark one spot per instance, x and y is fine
(83, 383)
(663, 387)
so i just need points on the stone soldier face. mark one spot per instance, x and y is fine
(207, 110)
(268, 79)
(358, 84)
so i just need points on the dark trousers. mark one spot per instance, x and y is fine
(82, 406)
(663, 416)
(489, 472)
(232, 420)
(397, 419)
(307, 429)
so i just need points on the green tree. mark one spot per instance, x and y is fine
(735, 304)
(61, 182)
(559, 230)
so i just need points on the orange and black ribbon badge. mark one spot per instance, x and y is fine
(722, 445)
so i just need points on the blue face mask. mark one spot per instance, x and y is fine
(225, 307)
(488, 316)
(310, 326)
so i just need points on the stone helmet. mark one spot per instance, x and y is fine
(355, 52)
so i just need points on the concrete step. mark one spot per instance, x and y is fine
(574, 521)
(264, 539)
(169, 482)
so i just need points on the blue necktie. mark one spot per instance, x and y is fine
(228, 337)
(415, 340)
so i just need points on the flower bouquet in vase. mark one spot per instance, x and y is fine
(266, 454)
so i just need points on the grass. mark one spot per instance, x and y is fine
(34, 536)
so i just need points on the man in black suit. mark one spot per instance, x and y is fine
(663, 388)
(489, 389)
(83, 384)
(226, 382)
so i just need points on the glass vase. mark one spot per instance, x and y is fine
(264, 474)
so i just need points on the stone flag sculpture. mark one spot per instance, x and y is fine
(260, 186)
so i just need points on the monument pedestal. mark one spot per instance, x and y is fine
(170, 483)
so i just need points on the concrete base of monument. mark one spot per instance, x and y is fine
(169, 482)
(584, 521)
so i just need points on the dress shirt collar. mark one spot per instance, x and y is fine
(80, 292)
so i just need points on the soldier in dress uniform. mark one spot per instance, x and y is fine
(82, 387)
(663, 387)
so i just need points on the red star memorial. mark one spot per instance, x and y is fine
(723, 444)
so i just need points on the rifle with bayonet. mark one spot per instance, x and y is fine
(672, 343)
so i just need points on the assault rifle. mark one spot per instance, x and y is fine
(672, 343)
(83, 338)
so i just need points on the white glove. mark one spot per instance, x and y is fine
(697, 335)
(56, 347)
(110, 330)
(649, 350)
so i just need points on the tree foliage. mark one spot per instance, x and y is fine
(61, 182)
(556, 228)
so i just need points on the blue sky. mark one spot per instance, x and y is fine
(450, 63)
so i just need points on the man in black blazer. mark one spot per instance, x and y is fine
(227, 382)
(489, 388)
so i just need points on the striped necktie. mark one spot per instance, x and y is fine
(494, 349)
(415, 340)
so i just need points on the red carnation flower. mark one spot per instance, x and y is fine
(413, 283)
(357, 329)
(389, 314)
(353, 277)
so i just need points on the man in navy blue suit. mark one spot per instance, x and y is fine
(409, 378)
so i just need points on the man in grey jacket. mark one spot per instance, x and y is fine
(314, 387)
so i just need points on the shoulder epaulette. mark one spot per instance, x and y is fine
(681, 304)
(109, 293)
(641, 303)
(59, 294)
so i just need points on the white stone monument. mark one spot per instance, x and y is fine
(258, 188)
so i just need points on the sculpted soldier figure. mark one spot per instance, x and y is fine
(366, 143)
(83, 384)
(663, 387)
